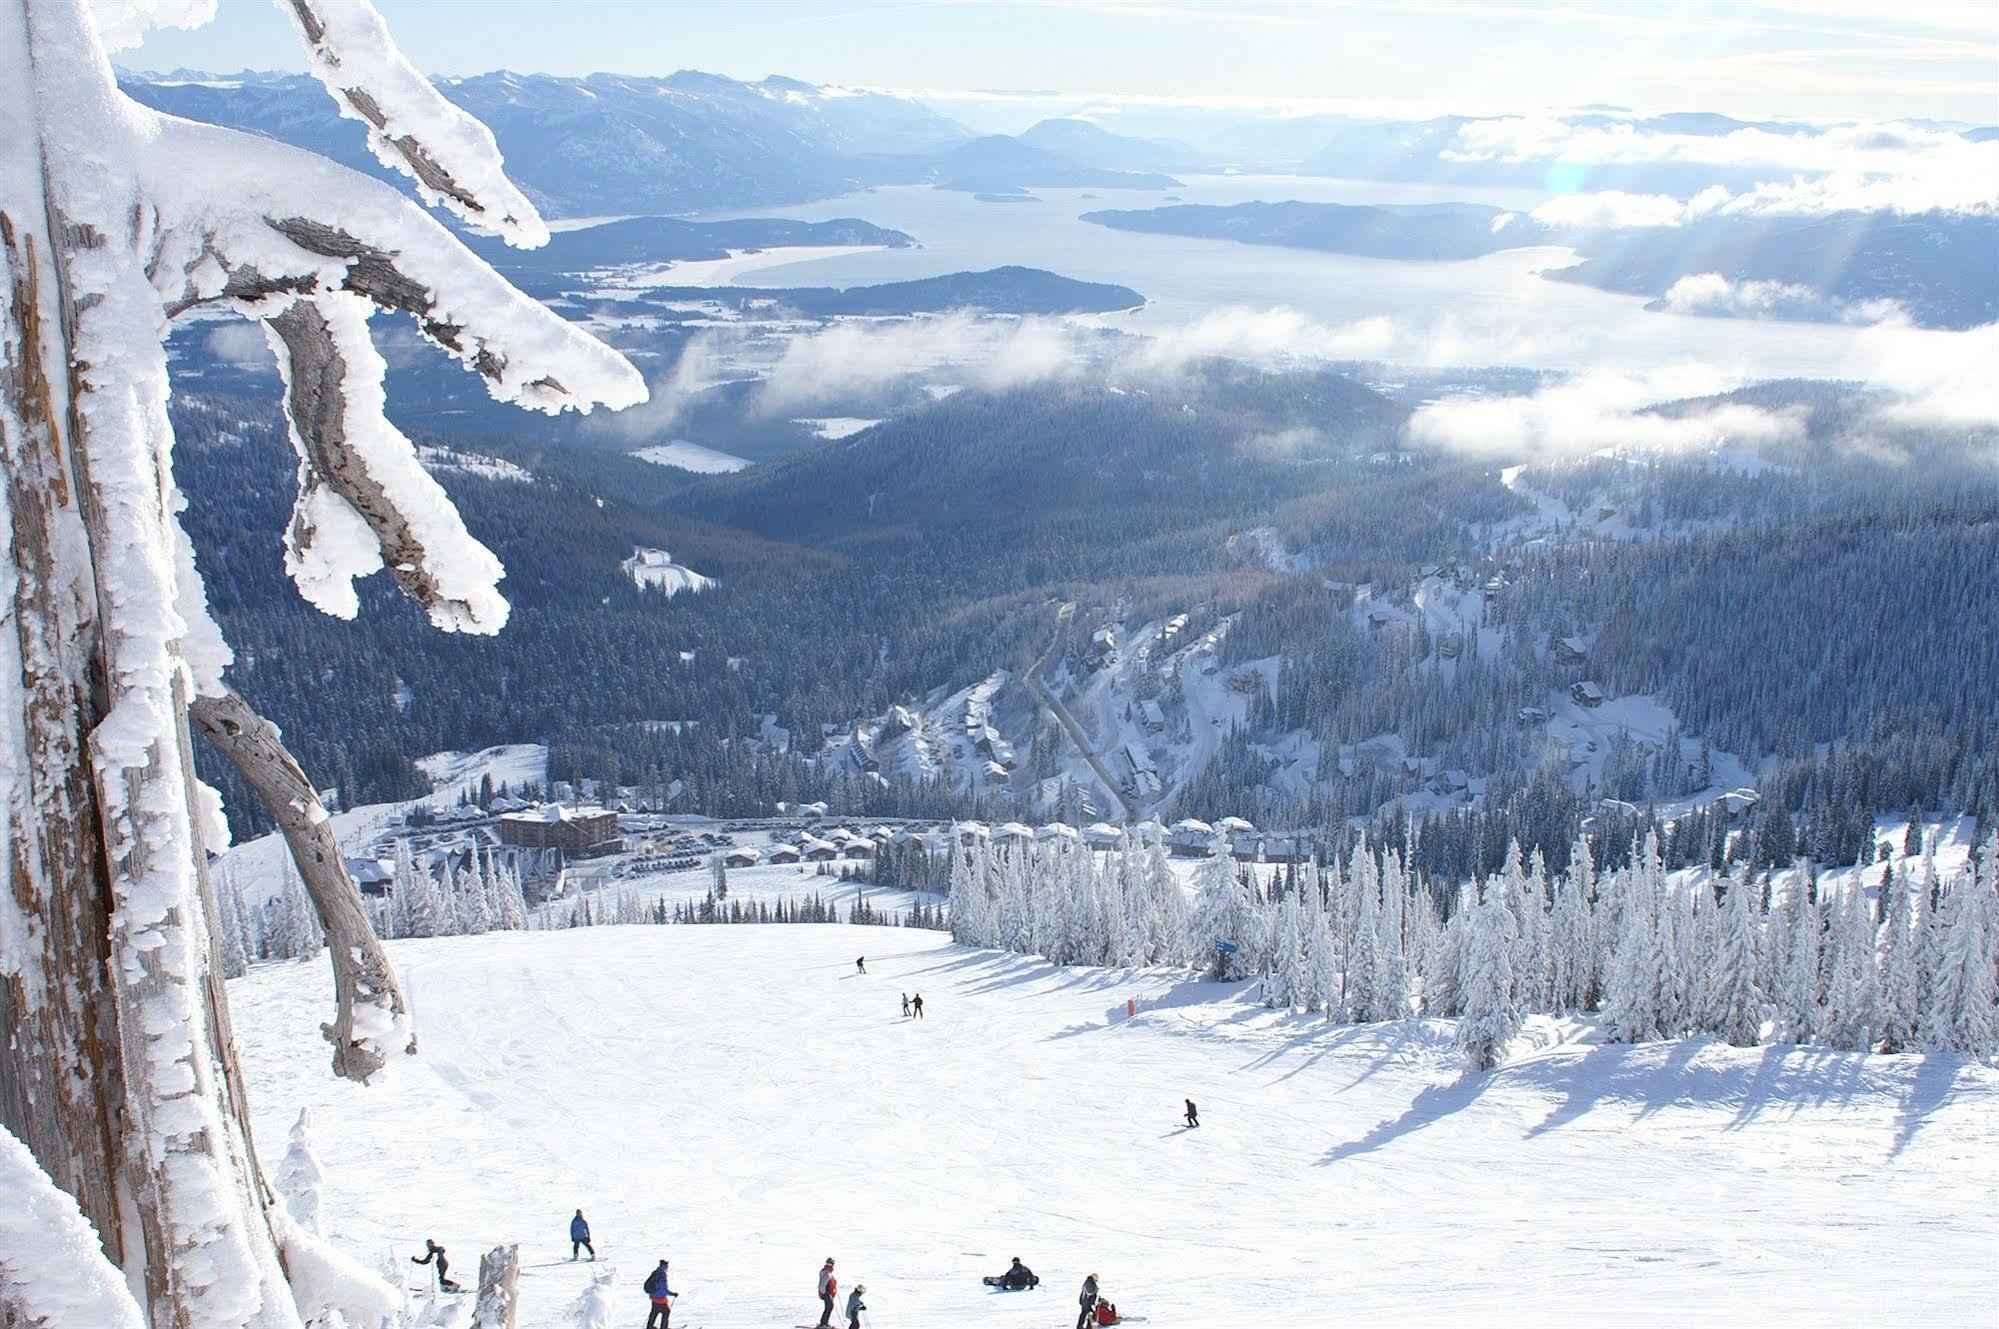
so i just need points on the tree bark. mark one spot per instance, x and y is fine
(119, 1071)
(59, 1071)
(368, 1002)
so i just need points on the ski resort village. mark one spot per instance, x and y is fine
(767, 664)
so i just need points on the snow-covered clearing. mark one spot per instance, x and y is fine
(654, 569)
(837, 426)
(453, 774)
(442, 460)
(739, 1100)
(691, 457)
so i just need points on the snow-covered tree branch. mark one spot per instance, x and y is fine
(113, 219)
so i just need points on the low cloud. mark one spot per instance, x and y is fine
(1593, 412)
(1712, 293)
(1881, 167)
(1614, 209)
(1941, 379)
(239, 343)
(1933, 377)
(833, 363)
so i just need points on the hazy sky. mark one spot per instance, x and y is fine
(1816, 59)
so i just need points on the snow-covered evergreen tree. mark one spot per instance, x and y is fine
(230, 926)
(1902, 929)
(1852, 985)
(1802, 1000)
(1358, 992)
(1962, 1017)
(1167, 911)
(1222, 929)
(1444, 964)
(1390, 998)
(1632, 1011)
(1322, 965)
(1735, 1000)
(1488, 1020)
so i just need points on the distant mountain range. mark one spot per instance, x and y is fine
(610, 145)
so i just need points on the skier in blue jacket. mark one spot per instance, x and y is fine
(579, 1236)
(662, 1298)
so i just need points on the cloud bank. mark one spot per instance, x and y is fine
(1593, 412)
(1712, 293)
(1877, 167)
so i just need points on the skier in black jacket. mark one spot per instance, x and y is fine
(1193, 1114)
(1015, 1279)
(434, 1252)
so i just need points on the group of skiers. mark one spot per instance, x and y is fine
(1093, 1309)
(829, 1293)
(912, 1005)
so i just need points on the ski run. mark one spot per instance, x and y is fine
(744, 1103)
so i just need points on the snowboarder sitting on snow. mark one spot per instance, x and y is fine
(662, 1298)
(433, 1251)
(579, 1236)
(1015, 1279)
(1088, 1301)
(829, 1288)
(1193, 1114)
(855, 1306)
(1107, 1314)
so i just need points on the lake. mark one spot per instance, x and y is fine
(1495, 310)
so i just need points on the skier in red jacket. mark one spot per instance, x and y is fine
(829, 1287)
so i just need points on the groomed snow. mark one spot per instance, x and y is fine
(738, 1100)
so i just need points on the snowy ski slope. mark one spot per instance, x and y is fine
(739, 1100)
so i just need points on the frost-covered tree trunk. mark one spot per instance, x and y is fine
(119, 1073)
(499, 1289)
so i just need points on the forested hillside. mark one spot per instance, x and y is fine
(1397, 608)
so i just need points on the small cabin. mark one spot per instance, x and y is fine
(375, 878)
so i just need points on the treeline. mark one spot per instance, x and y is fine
(480, 893)
(1910, 962)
